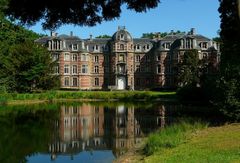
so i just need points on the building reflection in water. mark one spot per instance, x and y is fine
(89, 128)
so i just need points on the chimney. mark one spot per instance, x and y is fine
(71, 33)
(90, 37)
(53, 34)
(172, 32)
(193, 31)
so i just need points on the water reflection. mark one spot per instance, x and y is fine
(90, 128)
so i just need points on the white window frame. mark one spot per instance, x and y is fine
(66, 69)
(74, 69)
(66, 56)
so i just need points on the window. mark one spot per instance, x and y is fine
(137, 68)
(138, 47)
(121, 58)
(84, 57)
(66, 69)
(158, 57)
(66, 81)
(204, 45)
(158, 69)
(96, 48)
(55, 56)
(75, 47)
(121, 47)
(74, 69)
(138, 58)
(148, 47)
(96, 69)
(121, 36)
(74, 57)
(96, 58)
(56, 69)
(96, 81)
(168, 45)
(66, 57)
(75, 82)
(84, 68)
(188, 43)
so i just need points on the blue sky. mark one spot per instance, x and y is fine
(170, 14)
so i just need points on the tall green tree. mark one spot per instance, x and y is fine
(189, 69)
(228, 97)
(27, 67)
(24, 66)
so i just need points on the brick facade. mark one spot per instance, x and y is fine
(122, 62)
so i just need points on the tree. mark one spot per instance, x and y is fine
(24, 66)
(55, 13)
(27, 67)
(189, 69)
(228, 97)
(153, 35)
(103, 36)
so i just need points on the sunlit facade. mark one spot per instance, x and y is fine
(122, 62)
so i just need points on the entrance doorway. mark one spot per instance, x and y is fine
(121, 83)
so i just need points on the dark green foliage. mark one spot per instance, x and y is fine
(189, 70)
(191, 93)
(104, 36)
(153, 35)
(55, 13)
(228, 97)
(24, 66)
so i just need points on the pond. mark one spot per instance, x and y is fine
(84, 132)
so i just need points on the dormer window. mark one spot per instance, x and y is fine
(96, 48)
(148, 47)
(168, 45)
(75, 47)
(137, 47)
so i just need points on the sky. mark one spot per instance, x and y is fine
(169, 15)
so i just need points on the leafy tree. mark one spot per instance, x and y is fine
(189, 68)
(103, 36)
(24, 66)
(153, 35)
(55, 13)
(228, 86)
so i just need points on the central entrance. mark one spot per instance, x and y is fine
(121, 83)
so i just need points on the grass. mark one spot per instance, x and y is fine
(171, 136)
(213, 144)
(86, 95)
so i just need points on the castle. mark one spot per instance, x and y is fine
(122, 62)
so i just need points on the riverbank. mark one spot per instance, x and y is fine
(211, 144)
(20, 98)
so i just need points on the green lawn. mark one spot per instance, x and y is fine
(213, 145)
(7, 98)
